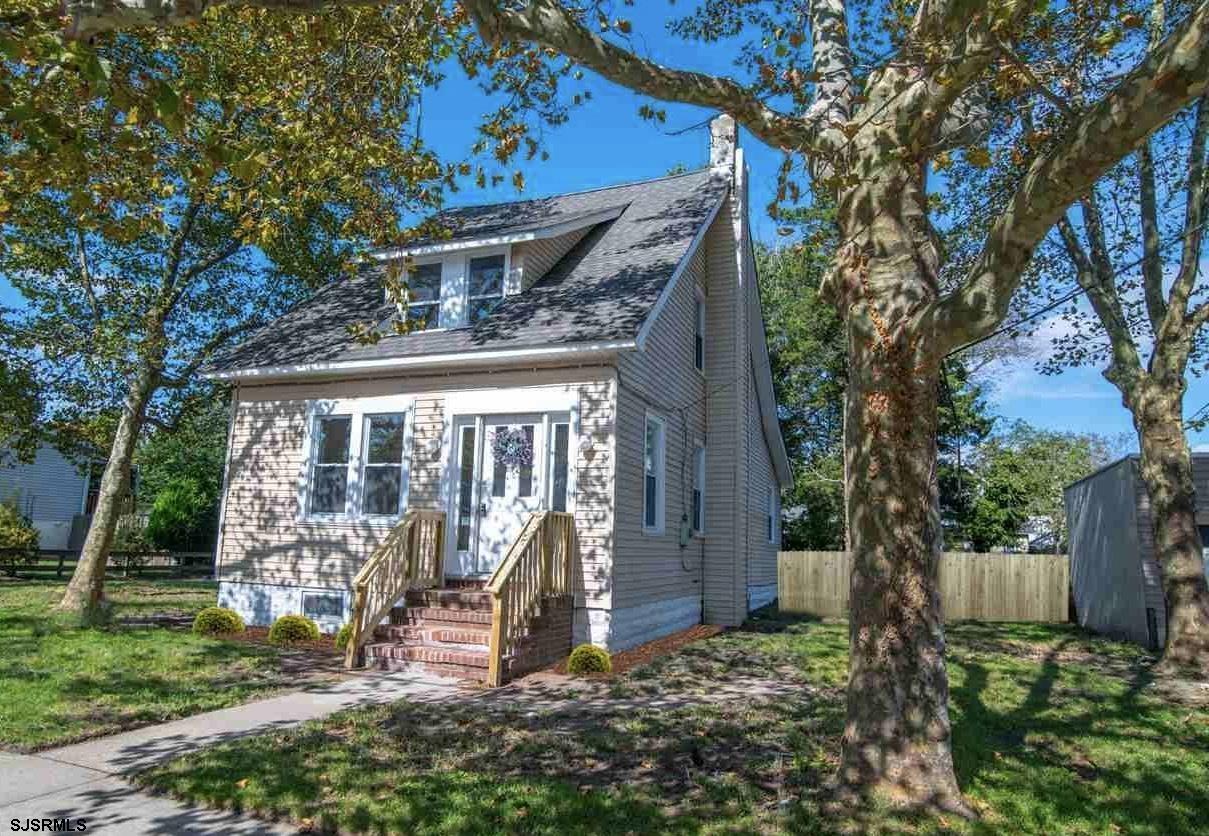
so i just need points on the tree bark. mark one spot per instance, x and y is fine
(85, 593)
(1166, 470)
(897, 736)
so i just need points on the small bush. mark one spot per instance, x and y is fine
(293, 628)
(17, 535)
(217, 621)
(588, 658)
(343, 635)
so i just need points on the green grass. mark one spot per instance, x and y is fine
(60, 683)
(1054, 733)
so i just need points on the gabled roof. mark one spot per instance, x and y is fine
(599, 294)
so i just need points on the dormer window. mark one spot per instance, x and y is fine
(457, 289)
(424, 296)
(486, 287)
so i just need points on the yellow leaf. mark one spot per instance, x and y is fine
(978, 157)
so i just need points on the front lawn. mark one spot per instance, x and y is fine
(1054, 733)
(60, 683)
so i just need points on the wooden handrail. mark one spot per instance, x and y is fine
(412, 556)
(540, 563)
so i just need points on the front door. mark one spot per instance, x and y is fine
(499, 476)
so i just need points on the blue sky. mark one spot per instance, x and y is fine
(605, 142)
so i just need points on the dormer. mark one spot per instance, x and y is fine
(457, 282)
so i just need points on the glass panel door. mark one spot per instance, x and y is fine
(511, 487)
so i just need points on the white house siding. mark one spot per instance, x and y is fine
(657, 583)
(50, 490)
(762, 554)
(267, 554)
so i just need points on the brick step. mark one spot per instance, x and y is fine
(469, 674)
(442, 617)
(426, 653)
(466, 584)
(455, 599)
(427, 633)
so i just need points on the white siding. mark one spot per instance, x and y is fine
(537, 257)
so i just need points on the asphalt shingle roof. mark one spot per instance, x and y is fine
(601, 290)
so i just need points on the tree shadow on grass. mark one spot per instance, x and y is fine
(1057, 746)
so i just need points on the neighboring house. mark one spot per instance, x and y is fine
(50, 491)
(1115, 573)
(614, 333)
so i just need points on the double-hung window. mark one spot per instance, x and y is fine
(383, 465)
(329, 471)
(485, 288)
(357, 460)
(699, 334)
(773, 511)
(698, 518)
(424, 296)
(653, 483)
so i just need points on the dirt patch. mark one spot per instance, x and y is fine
(321, 659)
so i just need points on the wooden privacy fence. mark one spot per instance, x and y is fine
(982, 587)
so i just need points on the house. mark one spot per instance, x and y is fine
(51, 492)
(585, 392)
(1115, 574)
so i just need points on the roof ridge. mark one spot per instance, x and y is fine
(703, 168)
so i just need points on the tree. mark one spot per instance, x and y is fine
(866, 131)
(169, 191)
(180, 477)
(1020, 477)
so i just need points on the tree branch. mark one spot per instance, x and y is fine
(546, 22)
(1152, 260)
(1195, 211)
(86, 277)
(1172, 75)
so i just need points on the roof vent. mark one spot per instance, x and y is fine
(723, 138)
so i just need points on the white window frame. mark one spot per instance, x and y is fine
(699, 328)
(405, 310)
(698, 487)
(773, 511)
(454, 307)
(660, 474)
(358, 410)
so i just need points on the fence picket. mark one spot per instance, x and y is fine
(983, 587)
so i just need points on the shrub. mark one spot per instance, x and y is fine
(588, 658)
(293, 628)
(181, 516)
(343, 635)
(217, 621)
(18, 539)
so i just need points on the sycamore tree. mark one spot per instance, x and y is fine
(166, 191)
(863, 101)
(1123, 275)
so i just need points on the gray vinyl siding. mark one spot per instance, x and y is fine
(726, 474)
(265, 541)
(537, 257)
(50, 488)
(662, 380)
(762, 554)
(1106, 557)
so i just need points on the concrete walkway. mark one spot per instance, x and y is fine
(85, 781)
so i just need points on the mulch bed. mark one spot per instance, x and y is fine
(638, 656)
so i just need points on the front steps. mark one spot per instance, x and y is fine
(447, 632)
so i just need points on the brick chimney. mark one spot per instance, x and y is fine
(723, 139)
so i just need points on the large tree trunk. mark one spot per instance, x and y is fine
(85, 592)
(1166, 468)
(897, 738)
